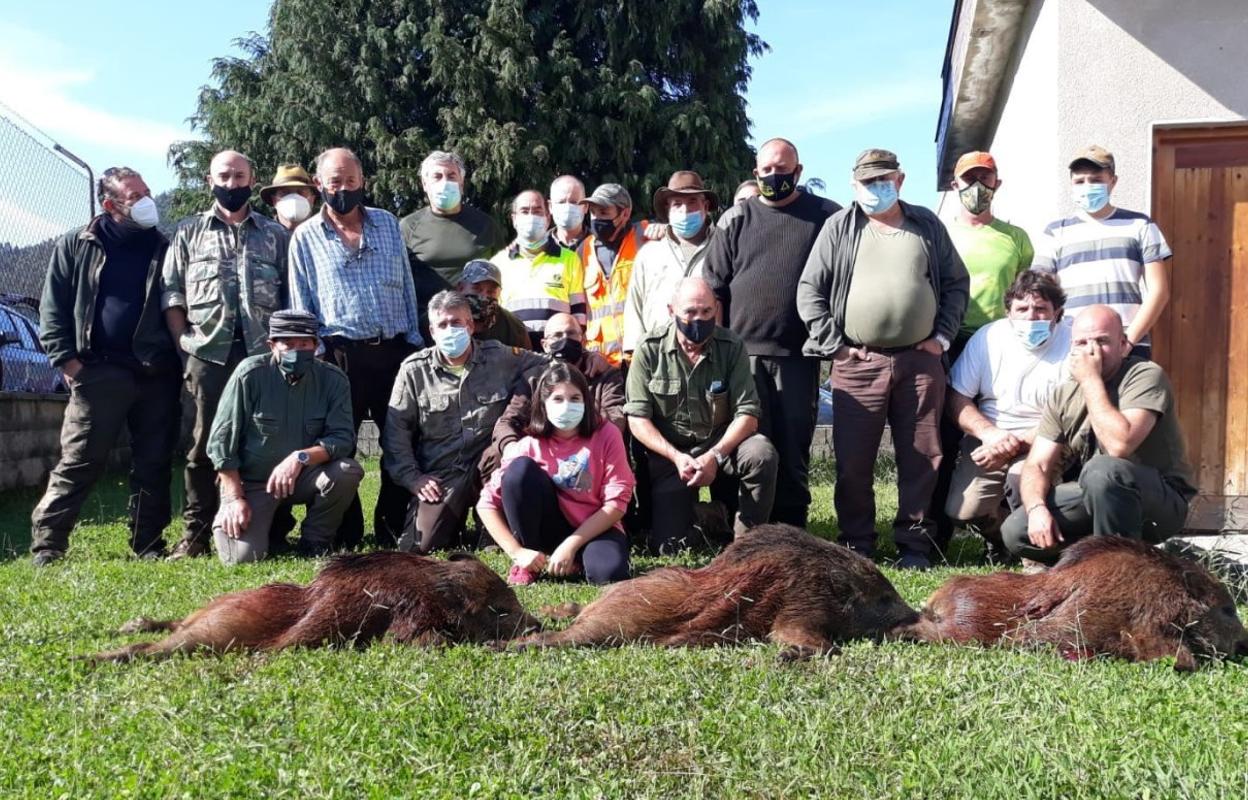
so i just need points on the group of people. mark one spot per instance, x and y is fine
(598, 368)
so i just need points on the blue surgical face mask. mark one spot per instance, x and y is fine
(446, 196)
(452, 341)
(876, 197)
(567, 216)
(1033, 333)
(685, 223)
(564, 416)
(1090, 197)
(530, 228)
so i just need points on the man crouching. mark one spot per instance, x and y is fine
(283, 434)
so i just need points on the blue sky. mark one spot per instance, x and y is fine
(114, 83)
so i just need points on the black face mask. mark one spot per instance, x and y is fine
(566, 350)
(604, 229)
(778, 185)
(484, 310)
(343, 201)
(232, 199)
(696, 330)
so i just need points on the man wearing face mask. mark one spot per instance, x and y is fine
(685, 206)
(754, 266)
(1112, 433)
(998, 387)
(693, 404)
(608, 255)
(348, 267)
(482, 283)
(100, 323)
(292, 195)
(442, 412)
(883, 295)
(563, 340)
(541, 278)
(447, 233)
(1107, 255)
(224, 275)
(994, 252)
(566, 211)
(283, 435)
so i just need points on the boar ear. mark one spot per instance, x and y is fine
(460, 555)
(1184, 660)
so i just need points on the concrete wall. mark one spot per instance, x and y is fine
(30, 439)
(1107, 72)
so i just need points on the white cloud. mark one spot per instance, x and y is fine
(41, 81)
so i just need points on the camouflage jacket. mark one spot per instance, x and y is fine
(229, 278)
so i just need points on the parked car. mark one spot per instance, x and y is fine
(24, 366)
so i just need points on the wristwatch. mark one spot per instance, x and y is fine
(720, 458)
(303, 457)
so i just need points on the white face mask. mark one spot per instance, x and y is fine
(294, 207)
(567, 216)
(144, 213)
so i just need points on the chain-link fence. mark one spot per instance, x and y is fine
(44, 192)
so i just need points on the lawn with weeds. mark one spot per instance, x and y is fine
(897, 720)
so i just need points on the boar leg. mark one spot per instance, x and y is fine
(1150, 647)
(146, 625)
(802, 643)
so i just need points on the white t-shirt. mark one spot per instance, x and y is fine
(1010, 383)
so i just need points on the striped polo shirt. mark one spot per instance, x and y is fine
(538, 286)
(1101, 261)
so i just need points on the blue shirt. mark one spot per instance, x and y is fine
(356, 295)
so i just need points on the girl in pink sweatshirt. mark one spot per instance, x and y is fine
(556, 500)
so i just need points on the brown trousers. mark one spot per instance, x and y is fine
(905, 388)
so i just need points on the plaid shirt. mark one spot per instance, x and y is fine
(355, 295)
(229, 278)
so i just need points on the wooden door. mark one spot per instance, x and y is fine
(1200, 200)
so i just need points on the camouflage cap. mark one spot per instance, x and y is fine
(874, 162)
(609, 194)
(479, 270)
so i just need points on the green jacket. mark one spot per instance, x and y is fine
(67, 309)
(262, 418)
(676, 395)
(218, 272)
(824, 286)
(439, 423)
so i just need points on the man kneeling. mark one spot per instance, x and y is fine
(283, 434)
(1112, 430)
(692, 402)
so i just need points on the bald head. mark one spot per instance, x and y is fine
(562, 325)
(338, 168)
(1100, 328)
(230, 168)
(776, 147)
(567, 189)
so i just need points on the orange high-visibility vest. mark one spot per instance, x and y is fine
(604, 331)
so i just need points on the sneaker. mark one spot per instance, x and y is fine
(912, 560)
(154, 554)
(188, 548)
(519, 576)
(46, 557)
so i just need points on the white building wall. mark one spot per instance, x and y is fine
(1106, 72)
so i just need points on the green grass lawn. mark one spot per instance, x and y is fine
(897, 720)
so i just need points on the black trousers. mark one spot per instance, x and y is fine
(371, 369)
(788, 388)
(102, 398)
(531, 505)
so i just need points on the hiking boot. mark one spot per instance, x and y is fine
(46, 557)
(914, 560)
(189, 548)
(519, 576)
(153, 554)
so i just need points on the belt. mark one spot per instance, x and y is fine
(888, 351)
(342, 341)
